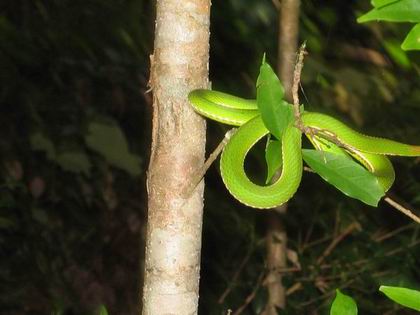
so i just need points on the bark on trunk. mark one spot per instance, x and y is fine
(276, 244)
(173, 241)
(276, 234)
(287, 43)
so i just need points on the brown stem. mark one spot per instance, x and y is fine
(276, 237)
(198, 175)
(235, 276)
(251, 296)
(402, 209)
(295, 87)
(287, 43)
(337, 240)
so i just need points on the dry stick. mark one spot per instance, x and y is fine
(365, 261)
(337, 240)
(402, 209)
(358, 263)
(235, 277)
(326, 295)
(277, 4)
(398, 250)
(333, 138)
(296, 287)
(312, 131)
(390, 234)
(315, 243)
(251, 296)
(198, 175)
(295, 86)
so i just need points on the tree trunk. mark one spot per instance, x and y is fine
(173, 240)
(288, 43)
(276, 234)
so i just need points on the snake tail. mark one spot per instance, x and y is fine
(357, 140)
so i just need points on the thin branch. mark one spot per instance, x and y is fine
(338, 239)
(308, 169)
(235, 276)
(196, 178)
(390, 234)
(277, 4)
(314, 243)
(402, 209)
(296, 287)
(296, 84)
(310, 131)
(326, 295)
(400, 249)
(251, 296)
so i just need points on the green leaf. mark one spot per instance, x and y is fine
(273, 157)
(398, 55)
(381, 3)
(102, 310)
(346, 175)
(276, 113)
(406, 297)
(39, 142)
(343, 305)
(398, 11)
(74, 161)
(108, 140)
(412, 41)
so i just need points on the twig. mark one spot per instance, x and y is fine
(314, 243)
(309, 231)
(338, 239)
(402, 209)
(400, 249)
(310, 131)
(235, 276)
(296, 287)
(277, 4)
(308, 169)
(390, 234)
(251, 296)
(326, 295)
(198, 175)
(358, 264)
(295, 86)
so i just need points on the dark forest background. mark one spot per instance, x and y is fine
(75, 121)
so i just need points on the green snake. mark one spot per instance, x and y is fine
(228, 109)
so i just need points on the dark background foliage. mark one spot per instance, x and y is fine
(75, 132)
